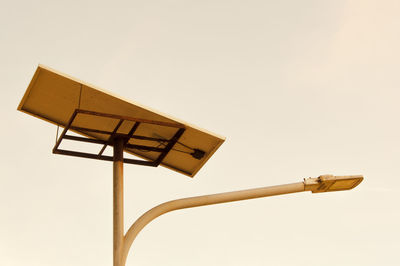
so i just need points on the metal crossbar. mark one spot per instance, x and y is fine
(112, 135)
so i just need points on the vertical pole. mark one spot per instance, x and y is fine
(118, 201)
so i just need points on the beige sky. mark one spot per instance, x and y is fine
(299, 88)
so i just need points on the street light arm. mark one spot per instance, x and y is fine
(323, 183)
(191, 202)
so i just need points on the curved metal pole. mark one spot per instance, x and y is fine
(184, 203)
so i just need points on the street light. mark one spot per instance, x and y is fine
(327, 183)
(102, 118)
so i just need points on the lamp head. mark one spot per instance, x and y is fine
(327, 183)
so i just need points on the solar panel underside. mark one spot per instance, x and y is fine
(53, 97)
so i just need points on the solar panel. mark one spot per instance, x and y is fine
(98, 116)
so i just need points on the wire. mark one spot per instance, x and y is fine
(181, 151)
(80, 95)
(165, 140)
(58, 126)
(162, 143)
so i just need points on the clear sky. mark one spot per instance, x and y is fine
(299, 88)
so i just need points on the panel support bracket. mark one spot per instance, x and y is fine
(111, 136)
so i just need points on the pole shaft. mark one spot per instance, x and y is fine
(118, 202)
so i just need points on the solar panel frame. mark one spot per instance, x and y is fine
(53, 97)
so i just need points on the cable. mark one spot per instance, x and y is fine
(165, 140)
(80, 95)
(58, 126)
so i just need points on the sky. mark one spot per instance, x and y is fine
(298, 88)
